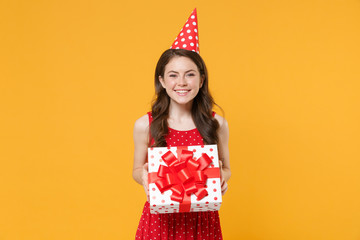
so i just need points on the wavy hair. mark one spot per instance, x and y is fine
(202, 105)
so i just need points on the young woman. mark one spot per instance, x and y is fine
(181, 115)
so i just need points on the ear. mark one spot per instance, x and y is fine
(161, 80)
(202, 79)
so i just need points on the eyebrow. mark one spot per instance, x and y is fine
(185, 72)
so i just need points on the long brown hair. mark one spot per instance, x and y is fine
(202, 105)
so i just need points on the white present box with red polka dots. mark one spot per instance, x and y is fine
(199, 166)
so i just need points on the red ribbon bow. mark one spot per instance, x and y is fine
(184, 176)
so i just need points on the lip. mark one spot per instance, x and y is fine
(182, 92)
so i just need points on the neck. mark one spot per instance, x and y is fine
(177, 111)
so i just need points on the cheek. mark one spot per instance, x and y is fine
(169, 83)
(195, 83)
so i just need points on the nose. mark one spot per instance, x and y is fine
(182, 81)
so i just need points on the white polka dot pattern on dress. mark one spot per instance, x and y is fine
(190, 34)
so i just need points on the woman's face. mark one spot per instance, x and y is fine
(182, 80)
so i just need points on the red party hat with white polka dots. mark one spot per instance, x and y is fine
(188, 37)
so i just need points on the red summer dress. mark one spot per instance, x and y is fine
(175, 226)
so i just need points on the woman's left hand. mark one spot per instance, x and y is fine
(224, 185)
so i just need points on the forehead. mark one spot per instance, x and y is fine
(180, 64)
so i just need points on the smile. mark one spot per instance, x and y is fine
(182, 92)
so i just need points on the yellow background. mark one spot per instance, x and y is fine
(75, 75)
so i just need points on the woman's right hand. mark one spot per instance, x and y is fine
(145, 183)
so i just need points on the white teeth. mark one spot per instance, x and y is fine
(182, 91)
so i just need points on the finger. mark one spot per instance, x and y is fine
(223, 182)
(145, 174)
(220, 163)
(145, 181)
(223, 192)
(224, 188)
(145, 185)
(145, 169)
(221, 170)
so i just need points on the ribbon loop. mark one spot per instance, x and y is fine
(200, 177)
(192, 165)
(185, 155)
(162, 185)
(177, 167)
(177, 190)
(163, 170)
(170, 179)
(204, 161)
(185, 175)
(190, 188)
(201, 193)
(169, 158)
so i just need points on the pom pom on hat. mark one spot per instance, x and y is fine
(188, 37)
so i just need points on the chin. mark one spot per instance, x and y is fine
(183, 101)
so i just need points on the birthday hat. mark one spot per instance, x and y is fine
(188, 37)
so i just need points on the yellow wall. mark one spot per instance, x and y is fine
(75, 75)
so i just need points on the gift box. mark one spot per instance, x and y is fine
(184, 179)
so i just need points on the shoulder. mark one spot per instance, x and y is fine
(223, 124)
(223, 131)
(142, 124)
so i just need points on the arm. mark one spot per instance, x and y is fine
(141, 135)
(223, 146)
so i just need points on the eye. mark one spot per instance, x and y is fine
(172, 75)
(191, 74)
